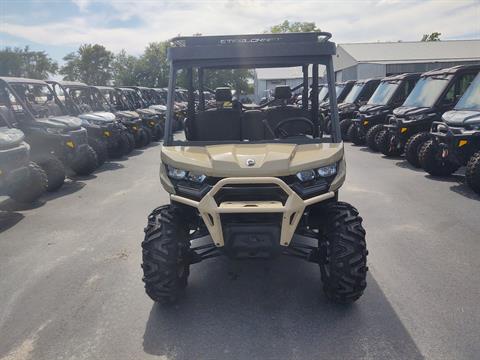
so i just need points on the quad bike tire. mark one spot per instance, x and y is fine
(100, 149)
(344, 267)
(344, 128)
(472, 172)
(431, 161)
(354, 135)
(31, 188)
(413, 146)
(86, 163)
(165, 255)
(157, 132)
(55, 170)
(142, 138)
(328, 127)
(149, 133)
(371, 136)
(130, 142)
(383, 143)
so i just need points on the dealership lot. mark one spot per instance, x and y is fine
(71, 279)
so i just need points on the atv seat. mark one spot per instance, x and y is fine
(276, 114)
(219, 123)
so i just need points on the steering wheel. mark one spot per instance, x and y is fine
(282, 133)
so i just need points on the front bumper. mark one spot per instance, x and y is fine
(456, 143)
(291, 209)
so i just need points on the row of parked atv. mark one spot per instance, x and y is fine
(51, 130)
(433, 119)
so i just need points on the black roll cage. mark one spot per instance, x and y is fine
(252, 51)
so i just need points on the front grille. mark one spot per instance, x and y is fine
(251, 192)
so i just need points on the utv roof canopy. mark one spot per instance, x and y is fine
(258, 50)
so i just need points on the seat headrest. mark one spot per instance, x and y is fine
(223, 94)
(282, 92)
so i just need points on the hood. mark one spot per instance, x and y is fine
(128, 114)
(61, 122)
(98, 116)
(270, 159)
(406, 111)
(10, 137)
(146, 112)
(461, 117)
(346, 107)
(367, 108)
(158, 108)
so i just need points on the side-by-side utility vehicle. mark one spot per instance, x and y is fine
(435, 93)
(253, 183)
(342, 89)
(20, 178)
(390, 93)
(56, 139)
(105, 134)
(358, 96)
(456, 141)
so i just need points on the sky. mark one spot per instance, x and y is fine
(60, 26)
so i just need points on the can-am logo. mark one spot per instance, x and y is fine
(248, 41)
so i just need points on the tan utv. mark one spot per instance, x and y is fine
(253, 181)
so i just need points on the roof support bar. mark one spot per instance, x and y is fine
(172, 77)
(315, 97)
(305, 87)
(191, 95)
(201, 95)
(332, 95)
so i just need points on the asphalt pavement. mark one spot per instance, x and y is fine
(70, 277)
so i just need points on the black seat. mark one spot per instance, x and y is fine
(253, 127)
(219, 123)
(276, 114)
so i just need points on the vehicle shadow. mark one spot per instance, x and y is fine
(273, 310)
(458, 184)
(12, 205)
(136, 152)
(368, 150)
(108, 166)
(9, 219)
(69, 187)
(406, 165)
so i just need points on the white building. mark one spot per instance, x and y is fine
(366, 60)
(266, 79)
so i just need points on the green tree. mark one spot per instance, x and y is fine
(26, 63)
(91, 64)
(153, 67)
(435, 36)
(125, 69)
(287, 26)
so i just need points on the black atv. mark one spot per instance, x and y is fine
(361, 91)
(342, 89)
(148, 106)
(20, 178)
(56, 139)
(120, 105)
(435, 93)
(105, 134)
(455, 142)
(390, 93)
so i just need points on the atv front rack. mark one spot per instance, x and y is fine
(292, 209)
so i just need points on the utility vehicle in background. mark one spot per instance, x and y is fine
(105, 134)
(455, 141)
(151, 112)
(257, 182)
(56, 139)
(358, 96)
(121, 105)
(20, 178)
(342, 89)
(390, 93)
(435, 93)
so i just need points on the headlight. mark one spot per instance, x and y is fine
(55, 131)
(176, 174)
(306, 175)
(326, 171)
(179, 174)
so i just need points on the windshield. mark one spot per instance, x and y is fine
(471, 99)
(427, 91)
(339, 89)
(39, 99)
(323, 93)
(383, 93)
(354, 93)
